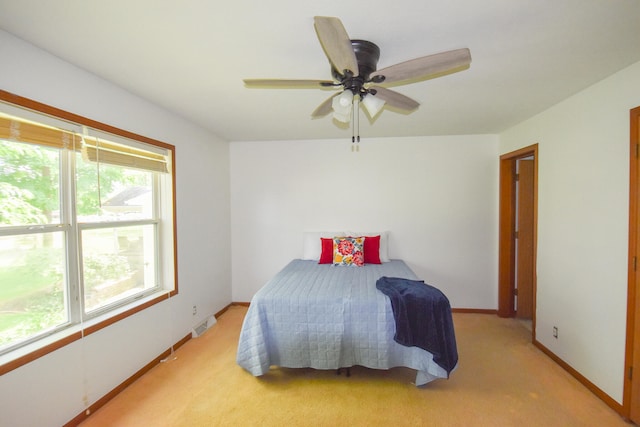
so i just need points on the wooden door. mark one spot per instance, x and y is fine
(632, 374)
(524, 259)
(507, 228)
(634, 371)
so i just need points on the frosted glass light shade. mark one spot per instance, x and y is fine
(342, 106)
(373, 104)
(344, 118)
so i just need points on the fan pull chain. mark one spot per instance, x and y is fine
(355, 128)
(98, 172)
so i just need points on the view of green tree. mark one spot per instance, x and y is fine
(29, 183)
(15, 207)
(31, 171)
(32, 297)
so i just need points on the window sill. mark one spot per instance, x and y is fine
(50, 343)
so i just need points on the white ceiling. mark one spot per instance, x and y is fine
(190, 56)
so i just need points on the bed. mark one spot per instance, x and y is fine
(325, 316)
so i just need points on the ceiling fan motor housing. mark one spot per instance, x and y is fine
(367, 55)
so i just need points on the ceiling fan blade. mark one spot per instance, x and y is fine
(426, 67)
(289, 84)
(324, 108)
(336, 44)
(395, 99)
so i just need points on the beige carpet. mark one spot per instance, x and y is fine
(502, 380)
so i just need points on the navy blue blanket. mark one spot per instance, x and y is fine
(423, 318)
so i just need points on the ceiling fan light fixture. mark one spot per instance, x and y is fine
(354, 69)
(373, 104)
(344, 118)
(343, 106)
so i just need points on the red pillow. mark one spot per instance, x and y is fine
(372, 250)
(326, 255)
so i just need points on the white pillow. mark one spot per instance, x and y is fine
(384, 241)
(312, 246)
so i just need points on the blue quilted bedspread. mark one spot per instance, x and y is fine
(328, 317)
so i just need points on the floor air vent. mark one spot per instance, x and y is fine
(201, 328)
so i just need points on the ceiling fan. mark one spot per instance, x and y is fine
(353, 68)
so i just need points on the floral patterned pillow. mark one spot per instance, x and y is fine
(348, 251)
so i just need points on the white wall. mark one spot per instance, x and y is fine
(53, 389)
(583, 207)
(437, 196)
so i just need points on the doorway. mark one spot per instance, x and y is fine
(518, 234)
(631, 398)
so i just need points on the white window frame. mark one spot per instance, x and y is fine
(80, 323)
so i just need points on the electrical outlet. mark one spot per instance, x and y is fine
(195, 310)
(555, 332)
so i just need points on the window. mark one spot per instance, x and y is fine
(87, 226)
